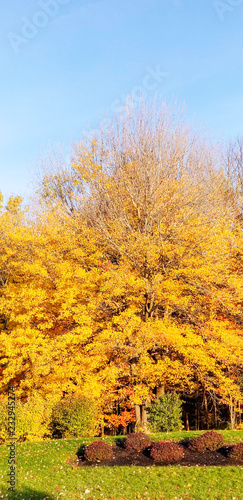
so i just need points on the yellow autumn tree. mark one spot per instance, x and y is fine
(48, 308)
(159, 203)
(126, 282)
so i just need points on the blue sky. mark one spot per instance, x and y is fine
(66, 63)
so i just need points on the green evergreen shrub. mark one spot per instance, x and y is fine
(165, 414)
(73, 417)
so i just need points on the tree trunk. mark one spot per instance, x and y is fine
(138, 417)
(102, 429)
(232, 408)
(160, 390)
(187, 422)
(215, 416)
(196, 415)
(206, 409)
(142, 416)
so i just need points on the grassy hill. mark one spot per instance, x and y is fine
(46, 470)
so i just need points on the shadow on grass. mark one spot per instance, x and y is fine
(25, 494)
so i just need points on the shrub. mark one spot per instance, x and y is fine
(239, 427)
(166, 413)
(210, 440)
(137, 441)
(98, 451)
(32, 419)
(236, 451)
(3, 421)
(166, 451)
(73, 417)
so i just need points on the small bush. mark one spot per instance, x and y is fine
(73, 417)
(166, 451)
(98, 451)
(32, 419)
(236, 451)
(137, 441)
(209, 441)
(166, 413)
(3, 421)
(239, 427)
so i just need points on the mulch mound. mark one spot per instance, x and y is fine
(121, 456)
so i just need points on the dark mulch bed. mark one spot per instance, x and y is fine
(125, 457)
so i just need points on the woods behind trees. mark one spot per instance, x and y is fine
(126, 282)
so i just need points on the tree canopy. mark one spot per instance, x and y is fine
(127, 282)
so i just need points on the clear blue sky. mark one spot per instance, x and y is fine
(64, 63)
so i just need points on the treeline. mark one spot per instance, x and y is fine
(123, 280)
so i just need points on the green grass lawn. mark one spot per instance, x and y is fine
(43, 472)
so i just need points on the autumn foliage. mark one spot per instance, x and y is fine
(209, 441)
(121, 420)
(137, 441)
(166, 452)
(124, 279)
(236, 451)
(98, 451)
